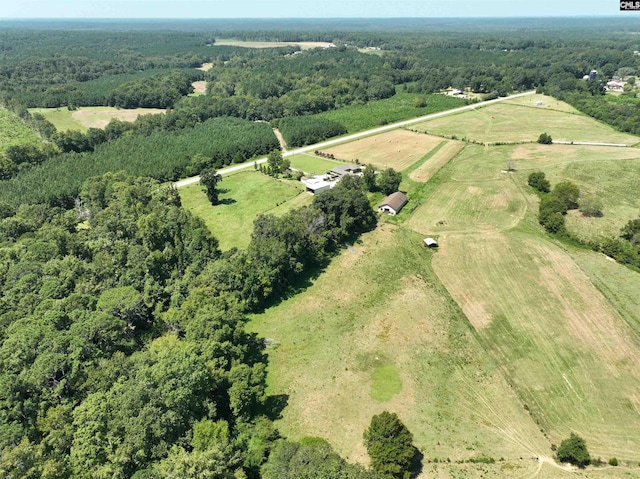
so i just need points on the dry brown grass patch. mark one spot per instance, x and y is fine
(448, 151)
(200, 86)
(397, 149)
(100, 117)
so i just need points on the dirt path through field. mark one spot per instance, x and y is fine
(283, 144)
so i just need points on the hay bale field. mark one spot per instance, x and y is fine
(397, 149)
(503, 122)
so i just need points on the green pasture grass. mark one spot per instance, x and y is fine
(14, 132)
(548, 103)
(503, 122)
(243, 196)
(312, 164)
(376, 331)
(566, 351)
(399, 107)
(61, 118)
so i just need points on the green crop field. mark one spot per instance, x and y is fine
(315, 165)
(243, 196)
(13, 131)
(503, 122)
(399, 107)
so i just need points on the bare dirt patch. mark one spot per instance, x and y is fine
(205, 67)
(100, 117)
(437, 161)
(397, 149)
(200, 86)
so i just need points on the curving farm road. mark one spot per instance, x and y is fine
(355, 136)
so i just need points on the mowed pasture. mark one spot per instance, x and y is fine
(376, 331)
(397, 149)
(14, 131)
(91, 116)
(508, 123)
(447, 151)
(312, 164)
(243, 196)
(572, 359)
(548, 103)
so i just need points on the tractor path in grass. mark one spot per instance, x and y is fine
(355, 136)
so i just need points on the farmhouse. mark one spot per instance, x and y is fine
(342, 170)
(393, 203)
(316, 184)
(430, 243)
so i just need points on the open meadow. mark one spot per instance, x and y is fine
(397, 149)
(90, 116)
(511, 123)
(542, 102)
(527, 341)
(243, 196)
(14, 131)
(312, 164)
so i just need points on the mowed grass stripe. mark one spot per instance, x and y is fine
(447, 151)
(571, 358)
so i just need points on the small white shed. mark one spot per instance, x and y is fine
(430, 243)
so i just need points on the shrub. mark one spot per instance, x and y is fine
(574, 451)
(538, 181)
(613, 461)
(545, 139)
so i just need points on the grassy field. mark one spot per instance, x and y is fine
(90, 116)
(13, 131)
(397, 149)
(377, 332)
(505, 122)
(399, 107)
(445, 153)
(243, 196)
(312, 164)
(548, 103)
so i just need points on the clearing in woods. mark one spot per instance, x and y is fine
(91, 116)
(397, 149)
(510, 123)
(243, 196)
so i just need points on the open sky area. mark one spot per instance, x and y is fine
(306, 9)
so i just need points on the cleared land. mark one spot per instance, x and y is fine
(91, 116)
(375, 332)
(250, 44)
(548, 103)
(312, 164)
(199, 86)
(396, 149)
(243, 196)
(13, 131)
(503, 122)
(447, 151)
(205, 67)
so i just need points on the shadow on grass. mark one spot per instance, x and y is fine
(274, 405)
(227, 201)
(416, 463)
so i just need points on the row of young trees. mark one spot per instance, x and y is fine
(307, 130)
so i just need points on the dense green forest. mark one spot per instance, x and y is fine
(123, 348)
